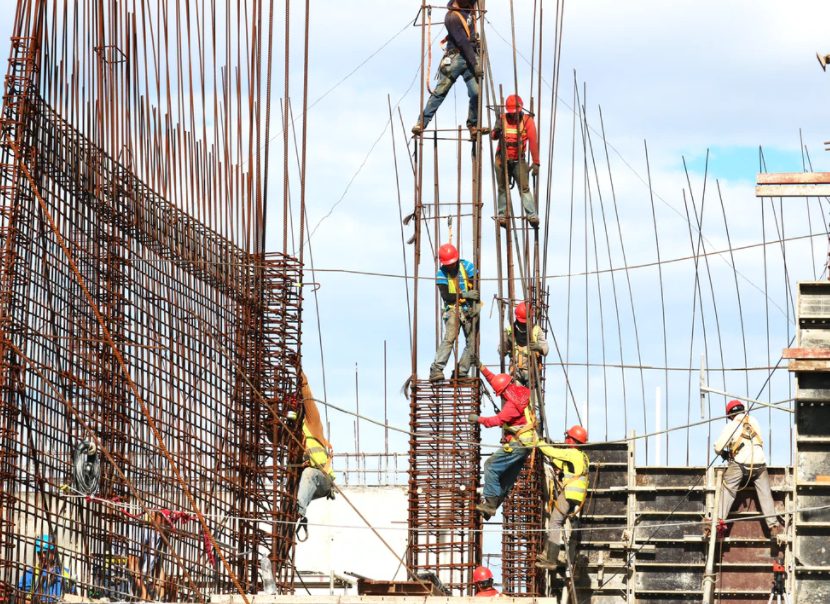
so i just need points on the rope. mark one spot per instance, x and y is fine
(86, 467)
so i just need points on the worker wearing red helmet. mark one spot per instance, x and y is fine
(519, 133)
(518, 421)
(461, 307)
(567, 486)
(740, 444)
(519, 347)
(483, 580)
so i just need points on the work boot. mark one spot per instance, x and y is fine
(534, 222)
(436, 375)
(488, 507)
(549, 560)
(822, 59)
(417, 129)
(502, 221)
(775, 530)
(459, 376)
(268, 584)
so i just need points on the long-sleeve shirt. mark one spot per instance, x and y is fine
(741, 430)
(457, 38)
(528, 126)
(512, 414)
(506, 347)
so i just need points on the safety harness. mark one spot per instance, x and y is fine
(521, 353)
(572, 483)
(464, 23)
(518, 432)
(315, 455)
(512, 135)
(748, 435)
(454, 284)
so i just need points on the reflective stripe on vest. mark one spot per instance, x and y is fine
(511, 138)
(315, 454)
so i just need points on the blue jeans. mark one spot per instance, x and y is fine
(502, 470)
(453, 323)
(314, 484)
(447, 76)
(519, 170)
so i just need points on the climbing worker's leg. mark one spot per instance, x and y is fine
(762, 488)
(732, 479)
(522, 176)
(501, 177)
(558, 516)
(472, 92)
(314, 484)
(468, 326)
(447, 75)
(511, 474)
(452, 324)
(502, 470)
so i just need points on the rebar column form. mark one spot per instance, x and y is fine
(443, 481)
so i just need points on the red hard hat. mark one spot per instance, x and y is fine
(448, 254)
(521, 312)
(500, 382)
(514, 103)
(732, 404)
(481, 574)
(578, 433)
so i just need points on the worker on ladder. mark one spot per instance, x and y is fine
(521, 347)
(317, 479)
(568, 486)
(461, 309)
(483, 580)
(517, 419)
(461, 59)
(741, 445)
(519, 132)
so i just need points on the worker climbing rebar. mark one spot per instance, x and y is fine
(518, 422)
(740, 444)
(567, 486)
(483, 581)
(461, 309)
(517, 131)
(520, 346)
(461, 58)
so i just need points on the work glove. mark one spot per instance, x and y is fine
(534, 169)
(470, 295)
(534, 347)
(497, 128)
(479, 72)
(472, 418)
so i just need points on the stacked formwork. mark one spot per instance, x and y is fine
(444, 460)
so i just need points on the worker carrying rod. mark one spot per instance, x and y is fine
(740, 444)
(567, 486)
(518, 421)
(519, 132)
(317, 479)
(461, 310)
(462, 58)
(520, 347)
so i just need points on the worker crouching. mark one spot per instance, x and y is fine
(568, 489)
(518, 421)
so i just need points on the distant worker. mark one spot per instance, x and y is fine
(568, 489)
(483, 580)
(519, 131)
(516, 345)
(518, 422)
(461, 59)
(823, 60)
(461, 307)
(317, 479)
(740, 444)
(47, 582)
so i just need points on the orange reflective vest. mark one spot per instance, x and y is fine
(513, 133)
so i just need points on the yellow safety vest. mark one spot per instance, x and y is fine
(316, 454)
(574, 465)
(525, 434)
(520, 353)
(453, 284)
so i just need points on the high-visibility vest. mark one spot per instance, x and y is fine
(454, 284)
(512, 135)
(525, 434)
(316, 454)
(575, 475)
(520, 353)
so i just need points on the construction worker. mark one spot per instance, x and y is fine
(519, 132)
(568, 489)
(516, 345)
(740, 444)
(518, 422)
(47, 581)
(483, 580)
(461, 308)
(461, 59)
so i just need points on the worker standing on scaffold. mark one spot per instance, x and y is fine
(518, 421)
(461, 308)
(521, 347)
(740, 443)
(568, 488)
(519, 132)
(461, 58)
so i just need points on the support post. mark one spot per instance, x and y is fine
(709, 577)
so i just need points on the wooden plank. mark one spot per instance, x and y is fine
(805, 353)
(792, 191)
(794, 178)
(809, 366)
